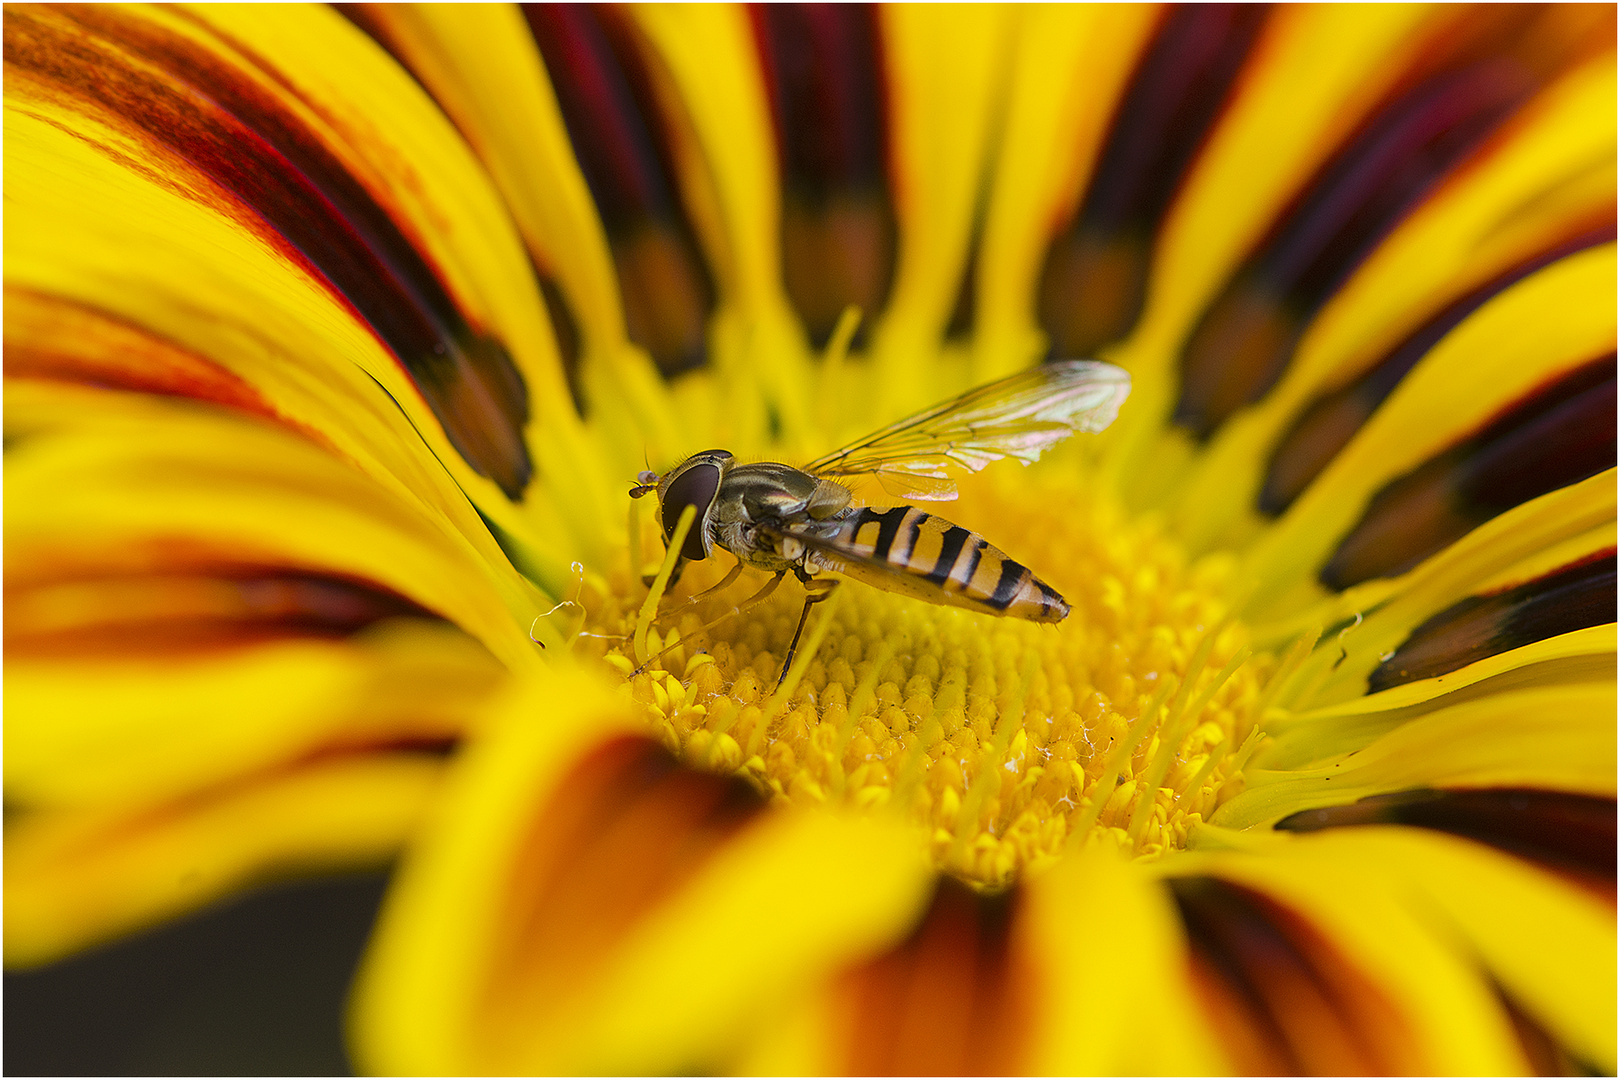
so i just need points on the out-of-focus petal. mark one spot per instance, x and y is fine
(583, 903)
(1332, 953)
(946, 69)
(1108, 952)
(1069, 64)
(111, 481)
(1549, 176)
(75, 878)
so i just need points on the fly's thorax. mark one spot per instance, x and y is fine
(770, 493)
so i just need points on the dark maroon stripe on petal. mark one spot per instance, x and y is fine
(1572, 598)
(190, 609)
(824, 66)
(1546, 1055)
(1095, 275)
(1558, 827)
(1560, 434)
(223, 123)
(1396, 157)
(1281, 996)
(948, 1000)
(624, 829)
(1329, 423)
(598, 67)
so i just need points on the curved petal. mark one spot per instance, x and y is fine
(1366, 975)
(75, 878)
(1561, 738)
(1546, 325)
(582, 903)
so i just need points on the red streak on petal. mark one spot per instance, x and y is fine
(950, 1000)
(624, 830)
(226, 140)
(1559, 434)
(1283, 997)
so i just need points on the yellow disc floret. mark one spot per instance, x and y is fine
(1004, 740)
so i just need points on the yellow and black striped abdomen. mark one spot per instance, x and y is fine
(909, 551)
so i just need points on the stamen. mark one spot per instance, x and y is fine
(671, 554)
(1002, 740)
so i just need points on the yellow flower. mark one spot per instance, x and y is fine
(332, 345)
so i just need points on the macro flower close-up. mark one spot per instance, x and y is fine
(412, 416)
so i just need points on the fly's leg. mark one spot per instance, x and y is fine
(757, 598)
(816, 590)
(698, 598)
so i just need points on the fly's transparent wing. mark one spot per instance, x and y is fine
(1021, 416)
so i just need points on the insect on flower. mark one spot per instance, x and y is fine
(778, 518)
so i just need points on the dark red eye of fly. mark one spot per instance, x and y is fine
(696, 486)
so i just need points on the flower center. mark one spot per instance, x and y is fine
(1004, 740)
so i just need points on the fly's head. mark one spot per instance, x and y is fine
(694, 482)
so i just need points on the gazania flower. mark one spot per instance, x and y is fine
(333, 343)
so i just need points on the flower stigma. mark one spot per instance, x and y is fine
(1004, 741)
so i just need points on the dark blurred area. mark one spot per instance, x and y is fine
(254, 985)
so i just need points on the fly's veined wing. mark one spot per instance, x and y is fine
(1021, 416)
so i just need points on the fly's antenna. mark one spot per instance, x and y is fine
(646, 480)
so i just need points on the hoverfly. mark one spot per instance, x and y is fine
(778, 518)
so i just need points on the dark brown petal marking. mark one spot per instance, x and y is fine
(1455, 99)
(948, 1001)
(1095, 275)
(1547, 1057)
(1560, 434)
(1326, 425)
(373, 20)
(599, 72)
(1281, 995)
(824, 67)
(625, 828)
(226, 125)
(1557, 827)
(184, 608)
(1569, 599)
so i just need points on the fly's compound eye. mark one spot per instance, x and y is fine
(696, 487)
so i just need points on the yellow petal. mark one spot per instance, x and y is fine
(1113, 992)
(774, 905)
(78, 877)
(1560, 737)
(89, 732)
(110, 479)
(1069, 65)
(945, 67)
(1549, 945)
(1545, 325)
(1441, 1014)
(1554, 166)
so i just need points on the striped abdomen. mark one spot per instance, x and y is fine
(909, 551)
